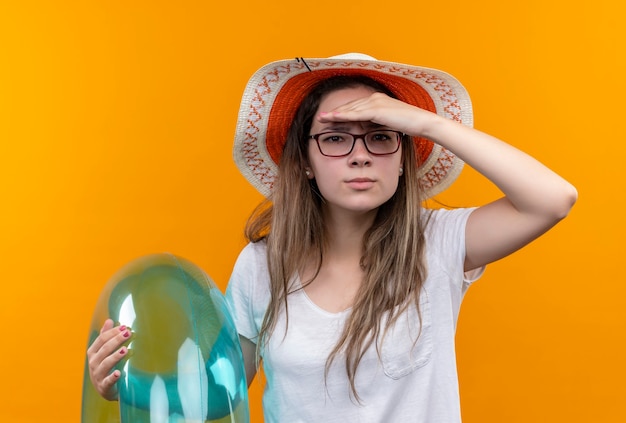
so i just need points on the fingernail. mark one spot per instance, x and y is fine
(122, 328)
(126, 334)
(123, 351)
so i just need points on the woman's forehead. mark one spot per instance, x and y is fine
(345, 95)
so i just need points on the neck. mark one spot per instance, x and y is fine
(336, 283)
(345, 232)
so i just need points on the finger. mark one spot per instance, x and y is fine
(345, 116)
(108, 324)
(108, 342)
(325, 117)
(107, 334)
(376, 100)
(108, 387)
(357, 110)
(104, 377)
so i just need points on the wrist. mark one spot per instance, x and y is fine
(431, 126)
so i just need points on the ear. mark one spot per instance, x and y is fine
(309, 172)
(401, 170)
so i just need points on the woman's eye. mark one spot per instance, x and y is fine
(333, 138)
(380, 137)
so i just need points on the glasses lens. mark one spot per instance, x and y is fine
(382, 142)
(335, 143)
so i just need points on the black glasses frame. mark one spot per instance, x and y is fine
(355, 137)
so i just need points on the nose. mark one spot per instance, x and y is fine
(359, 155)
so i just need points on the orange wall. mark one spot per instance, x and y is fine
(116, 127)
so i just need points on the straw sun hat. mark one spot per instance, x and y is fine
(274, 93)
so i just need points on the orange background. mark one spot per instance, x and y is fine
(116, 128)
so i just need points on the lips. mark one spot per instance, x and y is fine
(360, 180)
(360, 183)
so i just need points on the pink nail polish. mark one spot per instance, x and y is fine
(126, 334)
(122, 328)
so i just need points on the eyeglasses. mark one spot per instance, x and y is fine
(380, 142)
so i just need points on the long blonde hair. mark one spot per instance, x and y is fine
(291, 223)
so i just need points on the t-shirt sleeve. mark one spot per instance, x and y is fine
(446, 238)
(242, 290)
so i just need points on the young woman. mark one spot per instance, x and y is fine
(349, 291)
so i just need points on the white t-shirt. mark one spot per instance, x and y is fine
(410, 383)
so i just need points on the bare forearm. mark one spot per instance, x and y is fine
(529, 185)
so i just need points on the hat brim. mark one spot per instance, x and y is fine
(274, 93)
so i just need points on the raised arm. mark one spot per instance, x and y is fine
(535, 198)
